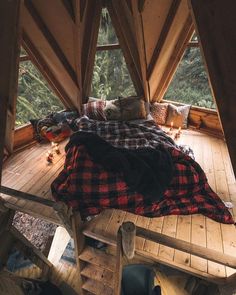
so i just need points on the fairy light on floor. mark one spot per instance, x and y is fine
(50, 153)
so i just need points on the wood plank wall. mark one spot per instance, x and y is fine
(9, 60)
(215, 24)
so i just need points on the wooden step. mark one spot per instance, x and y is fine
(98, 258)
(99, 274)
(95, 287)
(96, 228)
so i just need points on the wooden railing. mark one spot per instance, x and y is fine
(61, 209)
(126, 247)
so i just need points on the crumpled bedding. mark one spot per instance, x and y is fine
(88, 187)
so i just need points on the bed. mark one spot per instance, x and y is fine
(87, 186)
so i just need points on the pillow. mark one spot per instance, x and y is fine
(159, 112)
(125, 109)
(95, 110)
(178, 115)
(55, 126)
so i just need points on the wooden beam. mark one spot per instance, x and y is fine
(69, 8)
(77, 49)
(193, 44)
(124, 27)
(128, 232)
(79, 246)
(175, 59)
(24, 58)
(138, 23)
(6, 219)
(88, 47)
(119, 264)
(190, 248)
(165, 30)
(30, 251)
(25, 196)
(42, 66)
(10, 12)
(215, 22)
(64, 214)
(108, 47)
(82, 9)
(51, 40)
(141, 4)
(6, 247)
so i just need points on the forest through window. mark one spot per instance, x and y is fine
(111, 77)
(190, 83)
(35, 99)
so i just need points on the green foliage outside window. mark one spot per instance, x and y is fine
(190, 84)
(35, 99)
(110, 75)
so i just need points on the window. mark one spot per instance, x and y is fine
(110, 75)
(35, 99)
(190, 83)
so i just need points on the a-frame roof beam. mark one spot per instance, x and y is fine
(165, 30)
(89, 42)
(51, 40)
(123, 24)
(215, 24)
(70, 9)
(138, 23)
(41, 65)
(176, 57)
(9, 60)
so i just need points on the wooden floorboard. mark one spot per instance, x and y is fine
(28, 171)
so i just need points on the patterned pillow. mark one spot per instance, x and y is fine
(159, 112)
(178, 115)
(126, 109)
(95, 110)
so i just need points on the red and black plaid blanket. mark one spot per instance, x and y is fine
(88, 187)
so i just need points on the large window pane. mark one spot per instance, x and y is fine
(35, 98)
(106, 33)
(190, 83)
(110, 75)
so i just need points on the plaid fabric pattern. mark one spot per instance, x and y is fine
(88, 187)
(95, 110)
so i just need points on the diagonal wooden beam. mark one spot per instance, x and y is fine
(30, 251)
(51, 40)
(141, 4)
(166, 27)
(215, 24)
(88, 47)
(9, 61)
(124, 27)
(42, 66)
(69, 8)
(138, 22)
(177, 55)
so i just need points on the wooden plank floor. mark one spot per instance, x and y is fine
(211, 153)
(28, 171)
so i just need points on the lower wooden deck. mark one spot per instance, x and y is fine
(28, 171)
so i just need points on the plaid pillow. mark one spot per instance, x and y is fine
(159, 112)
(95, 110)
